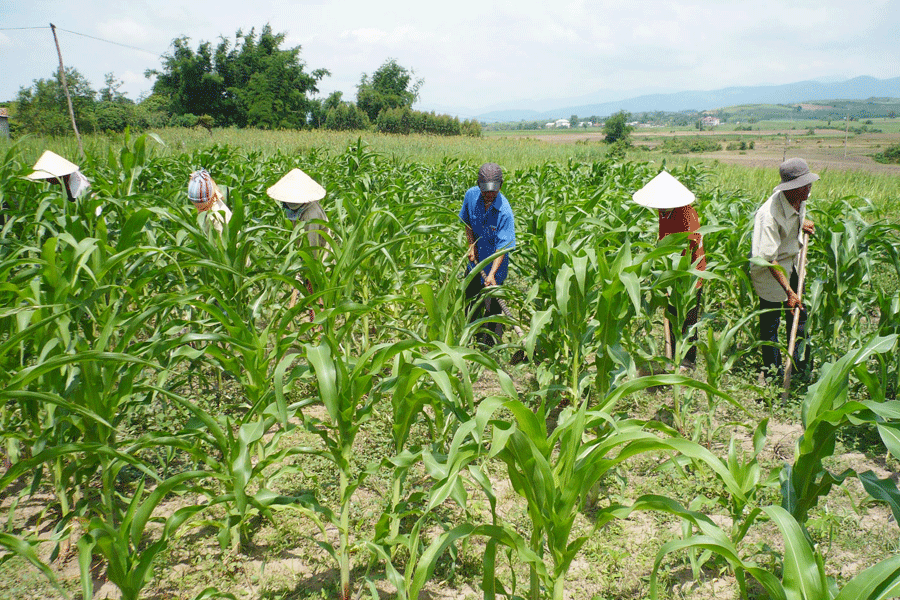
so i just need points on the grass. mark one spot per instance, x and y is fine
(510, 153)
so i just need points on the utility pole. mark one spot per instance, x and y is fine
(846, 134)
(62, 80)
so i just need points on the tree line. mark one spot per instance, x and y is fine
(248, 82)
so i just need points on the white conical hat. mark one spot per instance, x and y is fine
(296, 188)
(51, 165)
(664, 191)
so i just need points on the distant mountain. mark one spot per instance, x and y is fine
(858, 88)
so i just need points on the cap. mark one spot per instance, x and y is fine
(490, 177)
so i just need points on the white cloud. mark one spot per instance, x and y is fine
(365, 36)
(126, 31)
(399, 36)
(483, 52)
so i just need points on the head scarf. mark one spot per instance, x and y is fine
(202, 190)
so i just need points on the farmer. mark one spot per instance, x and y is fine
(489, 228)
(672, 200)
(777, 240)
(207, 198)
(55, 169)
(299, 197)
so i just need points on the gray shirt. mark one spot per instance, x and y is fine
(312, 211)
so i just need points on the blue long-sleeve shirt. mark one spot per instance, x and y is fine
(494, 229)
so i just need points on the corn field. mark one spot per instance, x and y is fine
(154, 384)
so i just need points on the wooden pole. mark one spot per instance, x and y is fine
(846, 134)
(62, 80)
(667, 327)
(793, 339)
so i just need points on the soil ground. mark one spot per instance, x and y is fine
(824, 149)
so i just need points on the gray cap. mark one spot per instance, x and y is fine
(490, 177)
(794, 174)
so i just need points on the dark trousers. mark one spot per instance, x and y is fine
(769, 322)
(689, 321)
(489, 333)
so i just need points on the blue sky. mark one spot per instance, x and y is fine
(475, 55)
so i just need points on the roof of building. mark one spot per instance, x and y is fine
(3, 113)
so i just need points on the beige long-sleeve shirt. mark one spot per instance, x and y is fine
(776, 237)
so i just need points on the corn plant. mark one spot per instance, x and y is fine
(123, 540)
(555, 471)
(826, 409)
(344, 386)
(120, 176)
(803, 575)
(582, 315)
(90, 362)
(446, 468)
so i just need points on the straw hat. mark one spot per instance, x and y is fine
(51, 165)
(296, 188)
(664, 191)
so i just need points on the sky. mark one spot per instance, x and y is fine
(476, 55)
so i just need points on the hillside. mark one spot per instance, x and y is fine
(859, 88)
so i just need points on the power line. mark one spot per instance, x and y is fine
(87, 36)
(110, 42)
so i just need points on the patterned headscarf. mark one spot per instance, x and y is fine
(202, 190)
(293, 211)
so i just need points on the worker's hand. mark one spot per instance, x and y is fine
(490, 280)
(809, 227)
(472, 253)
(793, 300)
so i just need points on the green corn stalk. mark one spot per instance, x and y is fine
(803, 576)
(446, 469)
(121, 175)
(345, 385)
(555, 471)
(121, 537)
(826, 409)
(69, 358)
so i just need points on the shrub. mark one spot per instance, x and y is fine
(890, 155)
(689, 145)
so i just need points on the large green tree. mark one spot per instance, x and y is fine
(42, 108)
(617, 128)
(391, 86)
(188, 80)
(251, 82)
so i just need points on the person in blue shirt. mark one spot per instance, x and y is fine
(490, 228)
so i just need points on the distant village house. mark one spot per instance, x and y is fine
(4, 123)
(709, 121)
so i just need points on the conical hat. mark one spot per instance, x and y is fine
(52, 165)
(664, 191)
(296, 188)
